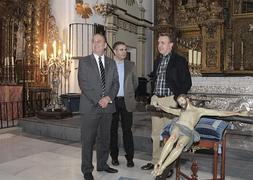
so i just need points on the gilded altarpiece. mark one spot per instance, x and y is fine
(222, 31)
(240, 38)
(25, 27)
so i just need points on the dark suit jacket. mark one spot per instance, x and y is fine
(91, 87)
(178, 77)
(130, 85)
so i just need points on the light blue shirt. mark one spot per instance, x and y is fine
(121, 72)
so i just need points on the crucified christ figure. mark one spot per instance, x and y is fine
(182, 132)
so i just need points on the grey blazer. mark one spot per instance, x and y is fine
(130, 85)
(91, 87)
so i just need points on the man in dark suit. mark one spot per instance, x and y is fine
(125, 105)
(99, 82)
(171, 78)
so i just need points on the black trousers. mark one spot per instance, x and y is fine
(126, 119)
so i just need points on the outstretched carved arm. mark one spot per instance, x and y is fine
(212, 112)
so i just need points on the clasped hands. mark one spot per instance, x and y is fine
(104, 101)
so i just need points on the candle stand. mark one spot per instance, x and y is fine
(56, 67)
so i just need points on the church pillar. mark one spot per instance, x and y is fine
(111, 32)
(140, 63)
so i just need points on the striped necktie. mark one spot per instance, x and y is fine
(102, 74)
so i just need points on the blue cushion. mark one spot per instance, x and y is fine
(208, 128)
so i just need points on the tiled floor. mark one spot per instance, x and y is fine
(26, 157)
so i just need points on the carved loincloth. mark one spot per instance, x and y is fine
(185, 131)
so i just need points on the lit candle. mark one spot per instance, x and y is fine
(12, 61)
(195, 57)
(64, 51)
(242, 48)
(5, 61)
(199, 58)
(45, 51)
(67, 58)
(12, 38)
(59, 52)
(190, 56)
(233, 48)
(54, 49)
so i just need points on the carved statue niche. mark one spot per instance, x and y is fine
(165, 11)
(215, 10)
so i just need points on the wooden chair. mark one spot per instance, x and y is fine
(210, 143)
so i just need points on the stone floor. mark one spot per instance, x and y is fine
(32, 157)
(49, 149)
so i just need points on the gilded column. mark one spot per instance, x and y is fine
(36, 37)
(36, 48)
(28, 37)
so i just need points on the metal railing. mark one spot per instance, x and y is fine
(36, 100)
(10, 112)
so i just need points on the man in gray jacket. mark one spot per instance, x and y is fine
(125, 105)
(99, 82)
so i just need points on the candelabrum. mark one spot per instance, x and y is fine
(56, 67)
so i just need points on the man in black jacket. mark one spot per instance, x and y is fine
(171, 78)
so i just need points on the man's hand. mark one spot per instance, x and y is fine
(154, 101)
(104, 101)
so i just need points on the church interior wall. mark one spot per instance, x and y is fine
(65, 14)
